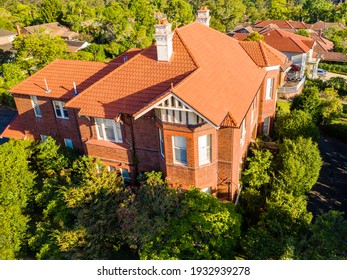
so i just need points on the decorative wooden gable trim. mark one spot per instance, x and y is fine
(229, 121)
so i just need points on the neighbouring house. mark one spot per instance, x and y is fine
(56, 29)
(6, 39)
(188, 106)
(299, 50)
(286, 25)
(321, 26)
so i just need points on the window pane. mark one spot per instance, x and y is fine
(180, 149)
(36, 106)
(180, 141)
(118, 132)
(68, 143)
(57, 109)
(204, 145)
(65, 113)
(110, 133)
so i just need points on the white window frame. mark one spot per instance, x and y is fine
(103, 124)
(68, 143)
(111, 168)
(266, 126)
(161, 143)
(36, 106)
(269, 88)
(179, 148)
(61, 109)
(243, 131)
(204, 148)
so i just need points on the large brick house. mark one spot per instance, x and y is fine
(188, 105)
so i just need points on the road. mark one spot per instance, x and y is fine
(6, 116)
(330, 191)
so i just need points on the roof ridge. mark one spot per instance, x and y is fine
(263, 53)
(296, 43)
(289, 23)
(103, 78)
(187, 48)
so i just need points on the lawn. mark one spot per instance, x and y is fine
(284, 105)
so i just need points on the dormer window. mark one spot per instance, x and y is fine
(108, 130)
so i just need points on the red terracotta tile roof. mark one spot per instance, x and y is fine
(321, 25)
(60, 76)
(262, 54)
(14, 130)
(288, 42)
(135, 84)
(208, 70)
(283, 24)
(227, 79)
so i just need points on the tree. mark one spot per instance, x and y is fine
(338, 83)
(309, 102)
(257, 171)
(331, 105)
(298, 163)
(95, 202)
(179, 13)
(303, 32)
(256, 179)
(280, 228)
(50, 11)
(76, 13)
(167, 223)
(16, 182)
(278, 9)
(327, 239)
(36, 50)
(12, 74)
(225, 14)
(255, 36)
(296, 124)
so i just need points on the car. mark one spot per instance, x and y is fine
(322, 72)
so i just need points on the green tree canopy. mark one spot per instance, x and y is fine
(298, 165)
(331, 105)
(38, 49)
(296, 124)
(309, 102)
(167, 223)
(16, 183)
(255, 36)
(50, 11)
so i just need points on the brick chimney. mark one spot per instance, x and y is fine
(163, 36)
(204, 15)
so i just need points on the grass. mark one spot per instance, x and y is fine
(284, 105)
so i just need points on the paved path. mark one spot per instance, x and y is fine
(6, 116)
(330, 192)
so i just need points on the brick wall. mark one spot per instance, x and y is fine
(48, 124)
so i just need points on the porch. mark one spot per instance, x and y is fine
(291, 88)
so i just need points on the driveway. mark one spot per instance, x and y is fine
(331, 75)
(330, 191)
(6, 116)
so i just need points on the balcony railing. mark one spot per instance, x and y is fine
(292, 86)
